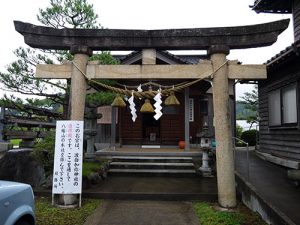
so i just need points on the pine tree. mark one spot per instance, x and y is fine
(20, 74)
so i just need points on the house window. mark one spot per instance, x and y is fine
(274, 108)
(289, 105)
(283, 106)
(191, 109)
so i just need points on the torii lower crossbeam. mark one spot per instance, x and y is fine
(146, 72)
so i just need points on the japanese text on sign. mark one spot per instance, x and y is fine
(67, 170)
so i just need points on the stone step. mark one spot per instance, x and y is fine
(205, 197)
(152, 172)
(133, 165)
(151, 165)
(151, 159)
(130, 187)
(110, 154)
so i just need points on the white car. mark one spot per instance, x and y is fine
(16, 204)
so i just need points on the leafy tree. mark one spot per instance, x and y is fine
(20, 74)
(239, 131)
(250, 136)
(28, 107)
(43, 152)
(69, 14)
(250, 101)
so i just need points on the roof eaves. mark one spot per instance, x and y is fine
(272, 6)
(284, 55)
(174, 57)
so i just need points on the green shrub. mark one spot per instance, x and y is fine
(238, 134)
(249, 136)
(15, 142)
(238, 131)
(43, 152)
(89, 167)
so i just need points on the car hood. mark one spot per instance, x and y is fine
(9, 188)
(9, 184)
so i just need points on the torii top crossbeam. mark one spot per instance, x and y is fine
(170, 39)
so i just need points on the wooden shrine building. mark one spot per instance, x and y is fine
(170, 128)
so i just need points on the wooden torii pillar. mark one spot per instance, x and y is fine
(218, 42)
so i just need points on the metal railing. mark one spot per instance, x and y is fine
(247, 154)
(257, 137)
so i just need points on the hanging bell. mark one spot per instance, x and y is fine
(118, 102)
(172, 100)
(147, 107)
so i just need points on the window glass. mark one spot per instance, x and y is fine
(274, 108)
(289, 105)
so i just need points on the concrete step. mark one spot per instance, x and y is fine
(205, 197)
(110, 154)
(150, 188)
(151, 159)
(151, 165)
(152, 172)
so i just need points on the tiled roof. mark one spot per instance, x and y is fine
(180, 59)
(284, 55)
(272, 6)
(192, 59)
(173, 57)
(125, 57)
(185, 59)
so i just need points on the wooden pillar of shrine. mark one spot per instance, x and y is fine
(113, 128)
(187, 119)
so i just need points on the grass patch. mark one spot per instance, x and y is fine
(242, 216)
(89, 167)
(15, 142)
(46, 214)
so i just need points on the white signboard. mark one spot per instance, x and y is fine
(67, 170)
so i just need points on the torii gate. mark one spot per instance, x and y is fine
(217, 41)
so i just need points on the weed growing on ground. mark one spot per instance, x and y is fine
(241, 216)
(46, 214)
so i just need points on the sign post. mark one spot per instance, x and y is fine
(67, 172)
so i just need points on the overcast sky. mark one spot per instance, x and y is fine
(154, 14)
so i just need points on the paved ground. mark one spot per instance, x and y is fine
(272, 184)
(155, 188)
(139, 184)
(150, 212)
(118, 212)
